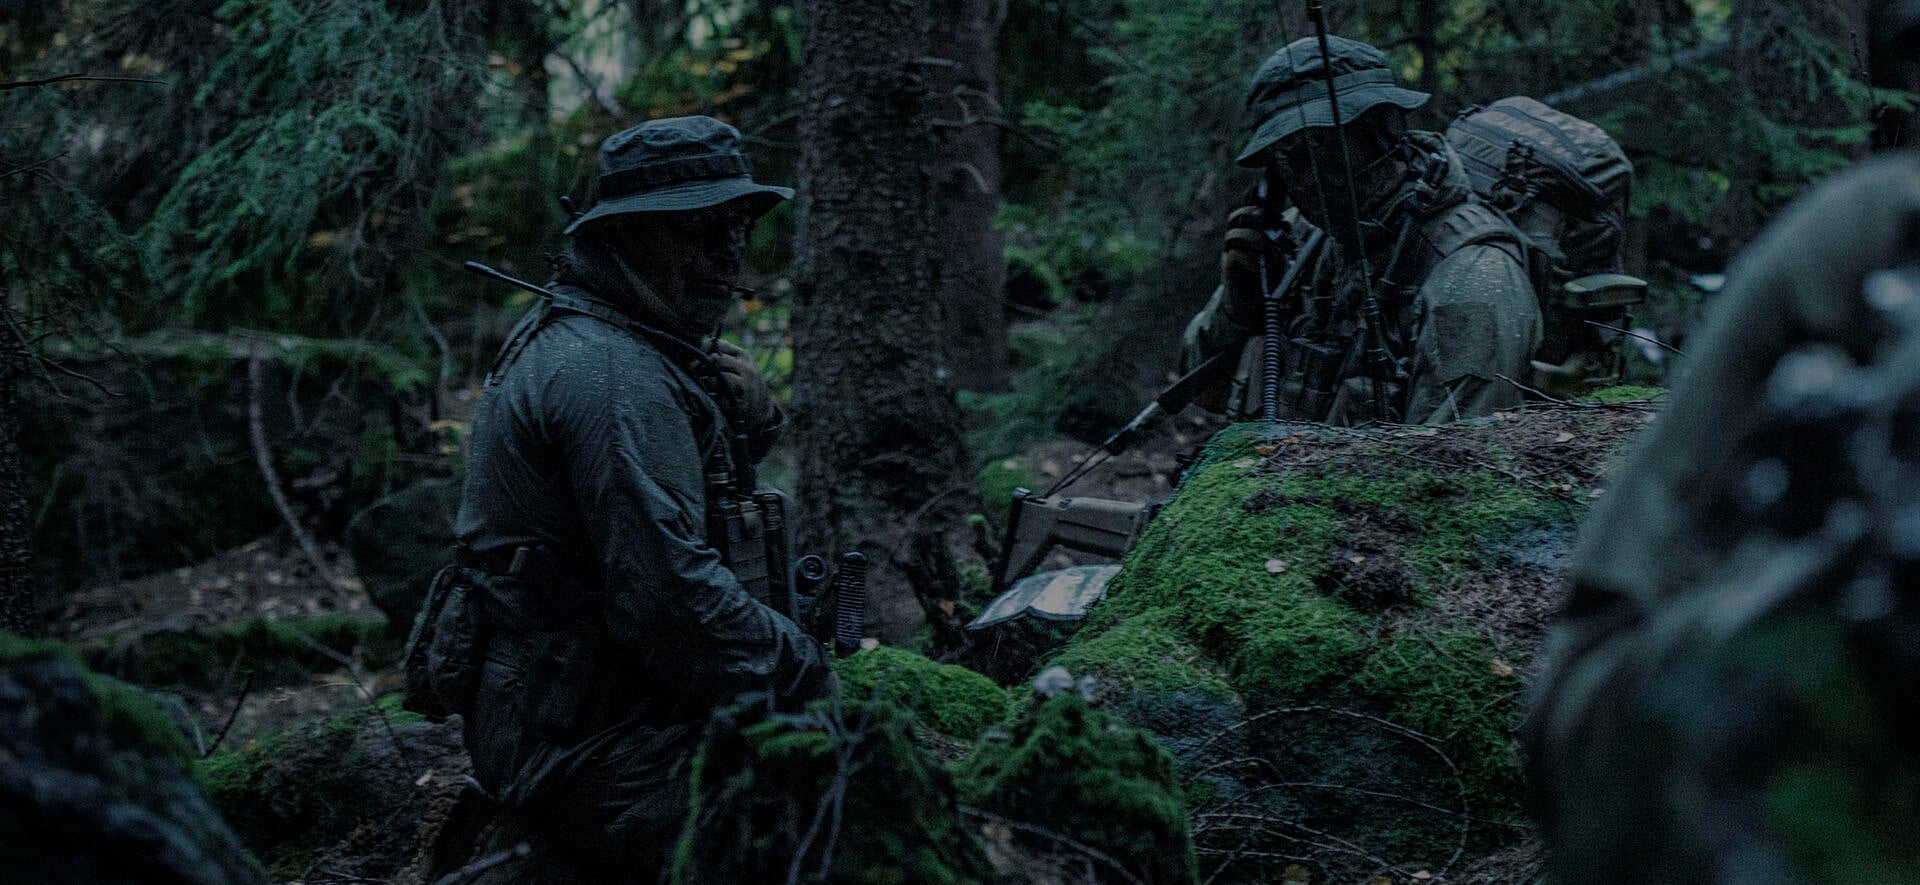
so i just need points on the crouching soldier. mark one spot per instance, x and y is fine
(1413, 297)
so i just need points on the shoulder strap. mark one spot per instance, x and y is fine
(531, 322)
(1475, 224)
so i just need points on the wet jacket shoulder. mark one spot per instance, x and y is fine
(1476, 313)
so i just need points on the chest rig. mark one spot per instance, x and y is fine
(747, 525)
(1327, 340)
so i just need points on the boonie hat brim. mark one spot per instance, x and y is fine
(1318, 112)
(687, 196)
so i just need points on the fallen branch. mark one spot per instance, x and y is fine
(263, 458)
(65, 78)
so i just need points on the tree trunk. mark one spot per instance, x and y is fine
(16, 576)
(1780, 44)
(882, 458)
(1426, 39)
(966, 106)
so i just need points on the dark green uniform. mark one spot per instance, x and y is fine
(1448, 275)
(1472, 316)
(1729, 695)
(595, 444)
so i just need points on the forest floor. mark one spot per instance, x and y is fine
(1561, 452)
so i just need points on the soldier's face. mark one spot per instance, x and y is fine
(1305, 161)
(693, 259)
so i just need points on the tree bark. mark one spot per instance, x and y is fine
(17, 611)
(1426, 39)
(1778, 45)
(966, 105)
(882, 457)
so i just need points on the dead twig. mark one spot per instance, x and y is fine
(18, 170)
(1632, 334)
(1050, 835)
(1571, 404)
(263, 458)
(246, 686)
(67, 78)
(1425, 741)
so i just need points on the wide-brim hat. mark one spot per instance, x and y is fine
(676, 165)
(1289, 92)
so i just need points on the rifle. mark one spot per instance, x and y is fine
(1038, 523)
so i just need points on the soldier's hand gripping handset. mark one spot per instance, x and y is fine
(742, 379)
(1256, 250)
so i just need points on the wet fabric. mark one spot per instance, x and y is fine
(592, 445)
(674, 165)
(1728, 693)
(1472, 316)
(1289, 91)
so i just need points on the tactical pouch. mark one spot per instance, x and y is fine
(447, 647)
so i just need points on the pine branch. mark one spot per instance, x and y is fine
(68, 78)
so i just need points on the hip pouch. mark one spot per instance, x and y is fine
(447, 646)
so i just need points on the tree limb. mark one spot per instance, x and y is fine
(65, 78)
(263, 458)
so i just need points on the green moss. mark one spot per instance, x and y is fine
(1146, 652)
(999, 478)
(288, 795)
(275, 652)
(759, 785)
(1072, 769)
(954, 701)
(1625, 393)
(1297, 641)
(1453, 687)
(132, 719)
(1301, 588)
(1450, 518)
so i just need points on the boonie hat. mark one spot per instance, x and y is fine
(1289, 91)
(676, 165)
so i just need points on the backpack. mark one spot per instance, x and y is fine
(1564, 184)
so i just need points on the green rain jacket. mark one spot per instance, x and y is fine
(1473, 316)
(593, 442)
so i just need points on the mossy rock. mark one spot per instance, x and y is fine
(841, 794)
(94, 783)
(274, 653)
(1068, 777)
(1361, 607)
(954, 701)
(296, 795)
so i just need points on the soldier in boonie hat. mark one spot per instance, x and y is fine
(1458, 310)
(676, 165)
(607, 520)
(667, 231)
(1289, 91)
